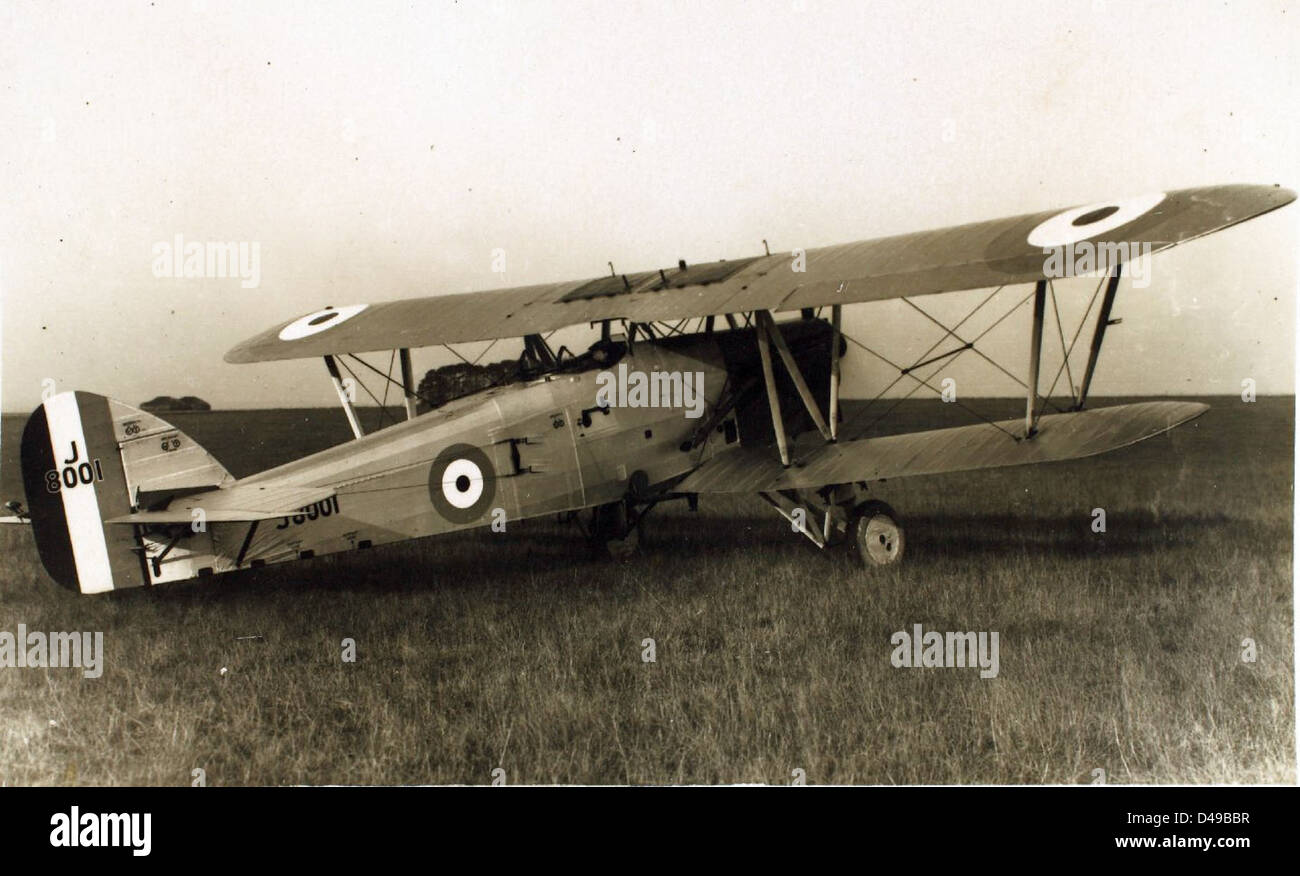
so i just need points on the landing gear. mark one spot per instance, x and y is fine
(615, 530)
(875, 535)
(840, 515)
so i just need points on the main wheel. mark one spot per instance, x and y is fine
(876, 535)
(612, 535)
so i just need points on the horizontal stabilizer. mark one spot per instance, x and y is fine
(239, 503)
(1059, 437)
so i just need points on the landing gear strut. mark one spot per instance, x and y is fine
(840, 515)
(615, 530)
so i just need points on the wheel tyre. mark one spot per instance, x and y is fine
(623, 548)
(612, 537)
(877, 538)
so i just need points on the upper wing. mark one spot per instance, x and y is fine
(983, 254)
(1059, 437)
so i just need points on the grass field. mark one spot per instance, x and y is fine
(1119, 651)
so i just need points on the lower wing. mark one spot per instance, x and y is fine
(1059, 437)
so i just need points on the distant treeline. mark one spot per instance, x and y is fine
(441, 385)
(164, 403)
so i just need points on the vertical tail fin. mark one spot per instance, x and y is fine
(86, 459)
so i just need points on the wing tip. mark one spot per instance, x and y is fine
(1280, 196)
(1287, 195)
(238, 355)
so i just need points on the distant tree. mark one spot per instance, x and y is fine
(441, 385)
(169, 403)
(159, 403)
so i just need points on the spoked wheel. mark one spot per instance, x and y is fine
(877, 537)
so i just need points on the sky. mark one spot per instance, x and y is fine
(394, 150)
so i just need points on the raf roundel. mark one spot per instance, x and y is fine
(1090, 220)
(462, 483)
(315, 323)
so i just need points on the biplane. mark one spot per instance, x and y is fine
(119, 498)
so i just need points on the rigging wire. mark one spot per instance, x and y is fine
(382, 413)
(918, 363)
(924, 382)
(970, 345)
(1078, 331)
(1065, 353)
